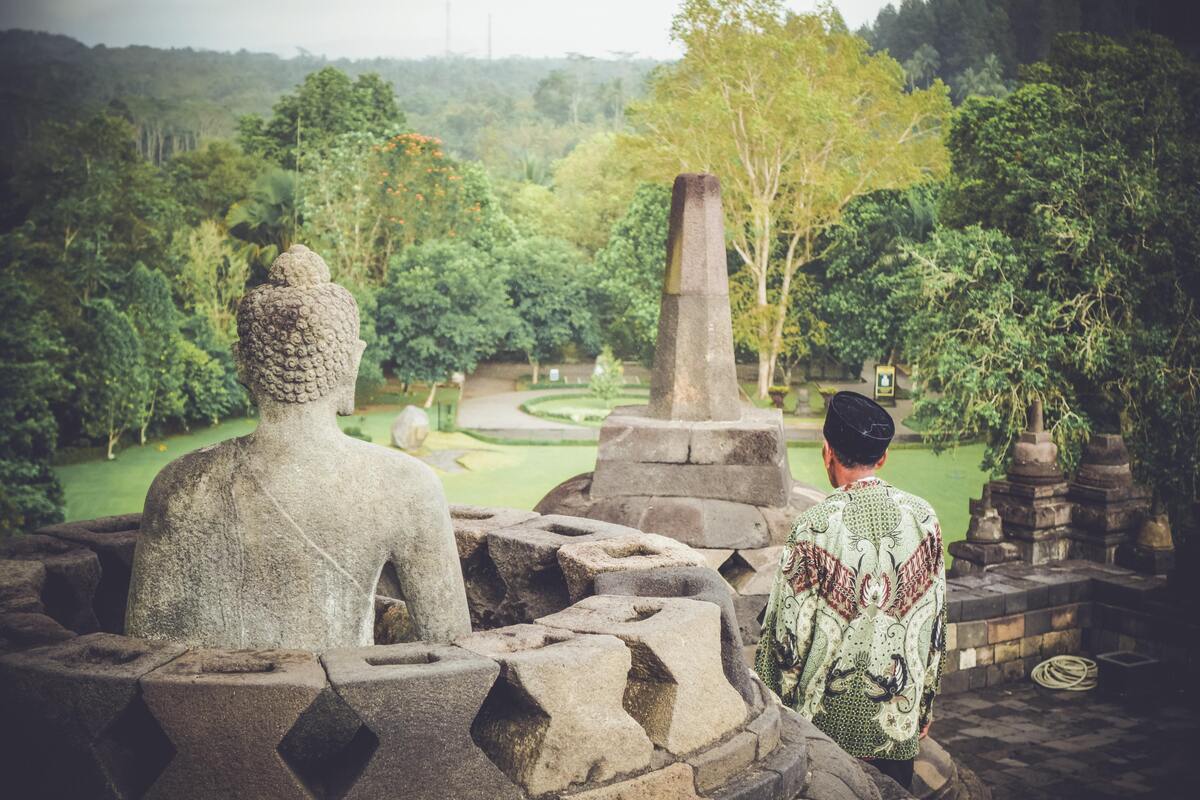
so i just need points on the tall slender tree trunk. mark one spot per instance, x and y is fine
(764, 372)
(113, 436)
(433, 387)
(537, 368)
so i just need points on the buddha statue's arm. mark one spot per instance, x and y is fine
(426, 561)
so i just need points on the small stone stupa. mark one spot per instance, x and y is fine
(696, 464)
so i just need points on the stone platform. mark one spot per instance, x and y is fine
(604, 665)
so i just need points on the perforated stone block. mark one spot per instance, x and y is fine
(72, 575)
(677, 687)
(73, 722)
(755, 485)
(113, 540)
(483, 584)
(581, 562)
(538, 726)
(21, 585)
(526, 558)
(419, 700)
(695, 583)
(226, 712)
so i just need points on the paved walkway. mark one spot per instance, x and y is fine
(1026, 743)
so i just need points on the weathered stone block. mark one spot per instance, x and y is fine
(675, 782)
(755, 485)
(755, 784)
(677, 686)
(749, 613)
(829, 766)
(1008, 651)
(73, 722)
(20, 629)
(696, 584)
(113, 540)
(526, 558)
(972, 634)
(482, 581)
(21, 585)
(766, 727)
(581, 562)
(419, 701)
(628, 435)
(718, 765)
(753, 571)
(705, 522)
(72, 575)
(756, 439)
(1006, 628)
(538, 727)
(226, 712)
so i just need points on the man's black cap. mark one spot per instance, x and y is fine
(858, 428)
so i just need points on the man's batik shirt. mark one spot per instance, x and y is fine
(854, 632)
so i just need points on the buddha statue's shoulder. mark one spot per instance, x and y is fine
(192, 485)
(391, 462)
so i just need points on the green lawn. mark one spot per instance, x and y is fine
(504, 475)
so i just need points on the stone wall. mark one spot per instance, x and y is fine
(1006, 621)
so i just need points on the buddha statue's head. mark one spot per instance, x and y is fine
(298, 336)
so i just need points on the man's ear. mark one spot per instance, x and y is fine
(879, 464)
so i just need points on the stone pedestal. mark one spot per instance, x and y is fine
(984, 546)
(695, 463)
(1108, 506)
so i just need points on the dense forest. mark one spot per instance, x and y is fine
(977, 46)
(517, 115)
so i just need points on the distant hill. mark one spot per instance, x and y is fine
(180, 97)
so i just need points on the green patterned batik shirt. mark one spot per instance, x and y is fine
(854, 633)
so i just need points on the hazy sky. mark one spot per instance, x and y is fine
(365, 28)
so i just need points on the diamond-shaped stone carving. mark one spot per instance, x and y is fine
(329, 746)
(227, 712)
(420, 700)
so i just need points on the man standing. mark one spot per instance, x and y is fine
(854, 633)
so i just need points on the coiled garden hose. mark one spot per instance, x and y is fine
(1067, 673)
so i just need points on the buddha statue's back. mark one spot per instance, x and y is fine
(278, 539)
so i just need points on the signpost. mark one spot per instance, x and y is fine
(885, 383)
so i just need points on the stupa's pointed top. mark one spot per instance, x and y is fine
(694, 374)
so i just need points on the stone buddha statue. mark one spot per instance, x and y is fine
(279, 538)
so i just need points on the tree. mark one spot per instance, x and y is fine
(629, 273)
(443, 310)
(608, 378)
(113, 376)
(268, 219)
(208, 181)
(985, 81)
(797, 119)
(147, 295)
(1085, 176)
(32, 352)
(211, 277)
(592, 187)
(866, 281)
(546, 282)
(309, 120)
(920, 70)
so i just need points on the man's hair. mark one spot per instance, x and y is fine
(848, 462)
(297, 333)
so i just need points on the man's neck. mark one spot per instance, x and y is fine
(846, 477)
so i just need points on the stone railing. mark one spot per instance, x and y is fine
(605, 664)
(1007, 620)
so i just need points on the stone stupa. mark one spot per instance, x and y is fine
(696, 464)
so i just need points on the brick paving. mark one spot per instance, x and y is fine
(1026, 742)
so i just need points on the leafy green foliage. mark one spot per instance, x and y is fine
(608, 379)
(147, 295)
(864, 280)
(113, 377)
(443, 309)
(326, 106)
(547, 284)
(1089, 175)
(630, 272)
(31, 356)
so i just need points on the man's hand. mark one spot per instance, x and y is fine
(925, 730)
